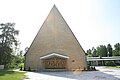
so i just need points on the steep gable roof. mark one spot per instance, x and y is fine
(54, 33)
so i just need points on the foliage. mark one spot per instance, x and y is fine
(109, 49)
(5, 55)
(11, 75)
(90, 68)
(17, 61)
(8, 42)
(99, 51)
(29, 69)
(117, 47)
(116, 52)
(8, 33)
(89, 53)
(102, 51)
(110, 63)
(94, 52)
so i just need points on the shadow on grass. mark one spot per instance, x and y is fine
(5, 71)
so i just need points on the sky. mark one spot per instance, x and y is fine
(93, 22)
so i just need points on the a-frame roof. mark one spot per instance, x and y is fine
(54, 35)
(53, 55)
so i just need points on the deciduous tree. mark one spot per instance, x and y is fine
(102, 51)
(109, 49)
(7, 40)
(116, 51)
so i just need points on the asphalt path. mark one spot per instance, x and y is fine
(103, 73)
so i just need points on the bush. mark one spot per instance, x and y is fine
(110, 63)
(88, 67)
(21, 68)
(94, 68)
(29, 69)
(24, 69)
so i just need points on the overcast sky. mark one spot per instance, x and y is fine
(94, 22)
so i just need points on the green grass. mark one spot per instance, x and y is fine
(113, 66)
(11, 75)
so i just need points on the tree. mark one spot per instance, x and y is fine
(8, 33)
(109, 49)
(116, 52)
(26, 49)
(94, 52)
(102, 51)
(19, 59)
(5, 54)
(7, 40)
(89, 52)
(117, 47)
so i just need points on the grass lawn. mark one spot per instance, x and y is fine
(11, 75)
(114, 66)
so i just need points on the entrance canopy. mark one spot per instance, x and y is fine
(54, 55)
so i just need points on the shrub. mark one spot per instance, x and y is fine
(88, 67)
(21, 68)
(110, 63)
(94, 68)
(24, 69)
(29, 69)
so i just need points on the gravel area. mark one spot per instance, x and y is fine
(103, 74)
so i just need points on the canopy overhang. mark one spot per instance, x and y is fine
(54, 55)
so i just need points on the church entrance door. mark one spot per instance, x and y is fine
(55, 63)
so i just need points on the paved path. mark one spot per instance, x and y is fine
(102, 74)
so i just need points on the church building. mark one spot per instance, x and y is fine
(55, 46)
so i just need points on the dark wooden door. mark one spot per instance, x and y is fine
(55, 63)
